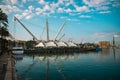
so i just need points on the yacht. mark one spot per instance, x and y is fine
(17, 50)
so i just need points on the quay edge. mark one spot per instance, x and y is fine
(59, 50)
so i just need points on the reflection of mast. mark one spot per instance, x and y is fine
(33, 57)
(113, 41)
(114, 53)
(47, 69)
(60, 70)
(29, 67)
(56, 57)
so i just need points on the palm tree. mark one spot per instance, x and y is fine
(3, 19)
(3, 30)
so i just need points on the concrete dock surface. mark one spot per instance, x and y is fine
(7, 67)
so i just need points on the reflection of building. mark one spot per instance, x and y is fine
(58, 57)
(105, 51)
(104, 44)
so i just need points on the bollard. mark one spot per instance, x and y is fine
(4, 67)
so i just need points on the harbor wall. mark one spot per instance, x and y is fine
(11, 70)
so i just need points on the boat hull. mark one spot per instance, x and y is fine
(17, 50)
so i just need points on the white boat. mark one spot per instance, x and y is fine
(17, 50)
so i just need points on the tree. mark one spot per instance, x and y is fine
(3, 19)
(3, 30)
(3, 24)
(30, 44)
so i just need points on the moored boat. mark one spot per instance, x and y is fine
(17, 50)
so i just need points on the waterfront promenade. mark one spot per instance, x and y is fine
(3, 60)
(7, 68)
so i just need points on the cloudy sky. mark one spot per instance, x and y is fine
(86, 20)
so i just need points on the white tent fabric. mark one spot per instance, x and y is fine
(50, 44)
(71, 44)
(41, 44)
(61, 44)
(56, 44)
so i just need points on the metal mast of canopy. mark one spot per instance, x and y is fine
(16, 19)
(47, 30)
(60, 30)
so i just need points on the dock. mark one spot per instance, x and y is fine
(7, 67)
(58, 50)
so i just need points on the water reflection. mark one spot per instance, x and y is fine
(73, 66)
(47, 70)
(110, 51)
(105, 51)
(116, 53)
(17, 57)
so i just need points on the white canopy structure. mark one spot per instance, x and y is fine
(41, 44)
(56, 44)
(71, 44)
(50, 44)
(61, 44)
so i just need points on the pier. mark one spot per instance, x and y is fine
(58, 50)
(7, 67)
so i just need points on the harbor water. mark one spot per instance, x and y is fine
(102, 65)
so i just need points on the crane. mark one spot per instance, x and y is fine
(60, 30)
(16, 19)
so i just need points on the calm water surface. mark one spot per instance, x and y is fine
(103, 65)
